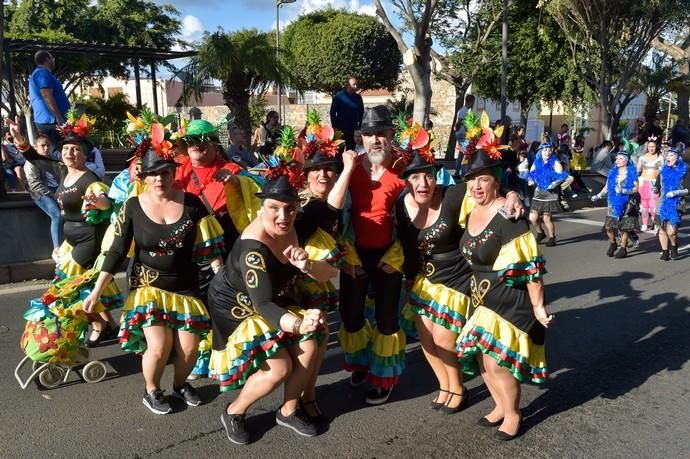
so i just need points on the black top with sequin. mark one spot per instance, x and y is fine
(435, 249)
(481, 251)
(163, 252)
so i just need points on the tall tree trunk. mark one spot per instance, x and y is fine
(460, 91)
(238, 103)
(421, 79)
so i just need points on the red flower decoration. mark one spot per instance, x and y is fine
(48, 298)
(45, 340)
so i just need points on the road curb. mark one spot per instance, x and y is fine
(20, 272)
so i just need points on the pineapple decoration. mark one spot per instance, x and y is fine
(284, 160)
(409, 137)
(319, 136)
(148, 131)
(480, 135)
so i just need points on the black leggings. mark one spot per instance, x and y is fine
(353, 293)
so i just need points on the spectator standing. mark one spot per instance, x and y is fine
(680, 133)
(347, 110)
(633, 130)
(602, 161)
(239, 150)
(460, 129)
(12, 163)
(43, 178)
(265, 136)
(48, 99)
(655, 129)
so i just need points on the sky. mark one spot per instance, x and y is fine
(198, 16)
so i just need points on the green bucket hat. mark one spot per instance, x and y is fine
(201, 130)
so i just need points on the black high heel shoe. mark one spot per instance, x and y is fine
(445, 409)
(486, 423)
(504, 436)
(434, 405)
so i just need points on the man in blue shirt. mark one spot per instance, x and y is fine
(347, 109)
(48, 99)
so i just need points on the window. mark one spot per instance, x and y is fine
(95, 92)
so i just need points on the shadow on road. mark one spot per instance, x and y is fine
(610, 349)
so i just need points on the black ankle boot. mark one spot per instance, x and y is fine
(540, 237)
(674, 252)
(551, 242)
(612, 249)
(664, 255)
(622, 253)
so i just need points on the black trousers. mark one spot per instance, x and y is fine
(353, 294)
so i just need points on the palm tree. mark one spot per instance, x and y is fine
(244, 64)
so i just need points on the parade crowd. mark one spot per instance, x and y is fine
(231, 266)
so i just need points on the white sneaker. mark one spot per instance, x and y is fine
(56, 256)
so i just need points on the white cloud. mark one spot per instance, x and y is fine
(192, 28)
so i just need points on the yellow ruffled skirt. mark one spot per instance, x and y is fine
(148, 306)
(488, 333)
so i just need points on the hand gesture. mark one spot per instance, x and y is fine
(541, 315)
(312, 321)
(297, 256)
(513, 206)
(90, 302)
(386, 268)
(225, 176)
(15, 130)
(671, 194)
(349, 157)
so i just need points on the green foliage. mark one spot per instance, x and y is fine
(324, 48)
(124, 22)
(244, 63)
(540, 65)
(110, 115)
(257, 110)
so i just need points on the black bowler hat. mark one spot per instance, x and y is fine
(376, 119)
(479, 161)
(152, 162)
(419, 163)
(279, 189)
(73, 138)
(319, 159)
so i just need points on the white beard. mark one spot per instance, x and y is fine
(376, 157)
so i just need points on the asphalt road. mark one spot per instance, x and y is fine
(618, 355)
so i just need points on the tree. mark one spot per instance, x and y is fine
(609, 39)
(463, 29)
(322, 49)
(678, 48)
(417, 16)
(539, 61)
(243, 62)
(655, 80)
(124, 22)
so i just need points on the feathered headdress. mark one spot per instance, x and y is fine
(147, 131)
(481, 136)
(319, 137)
(284, 160)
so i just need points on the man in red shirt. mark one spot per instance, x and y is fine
(204, 174)
(375, 354)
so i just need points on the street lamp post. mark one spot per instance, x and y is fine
(504, 68)
(279, 3)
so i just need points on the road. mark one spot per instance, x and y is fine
(618, 355)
